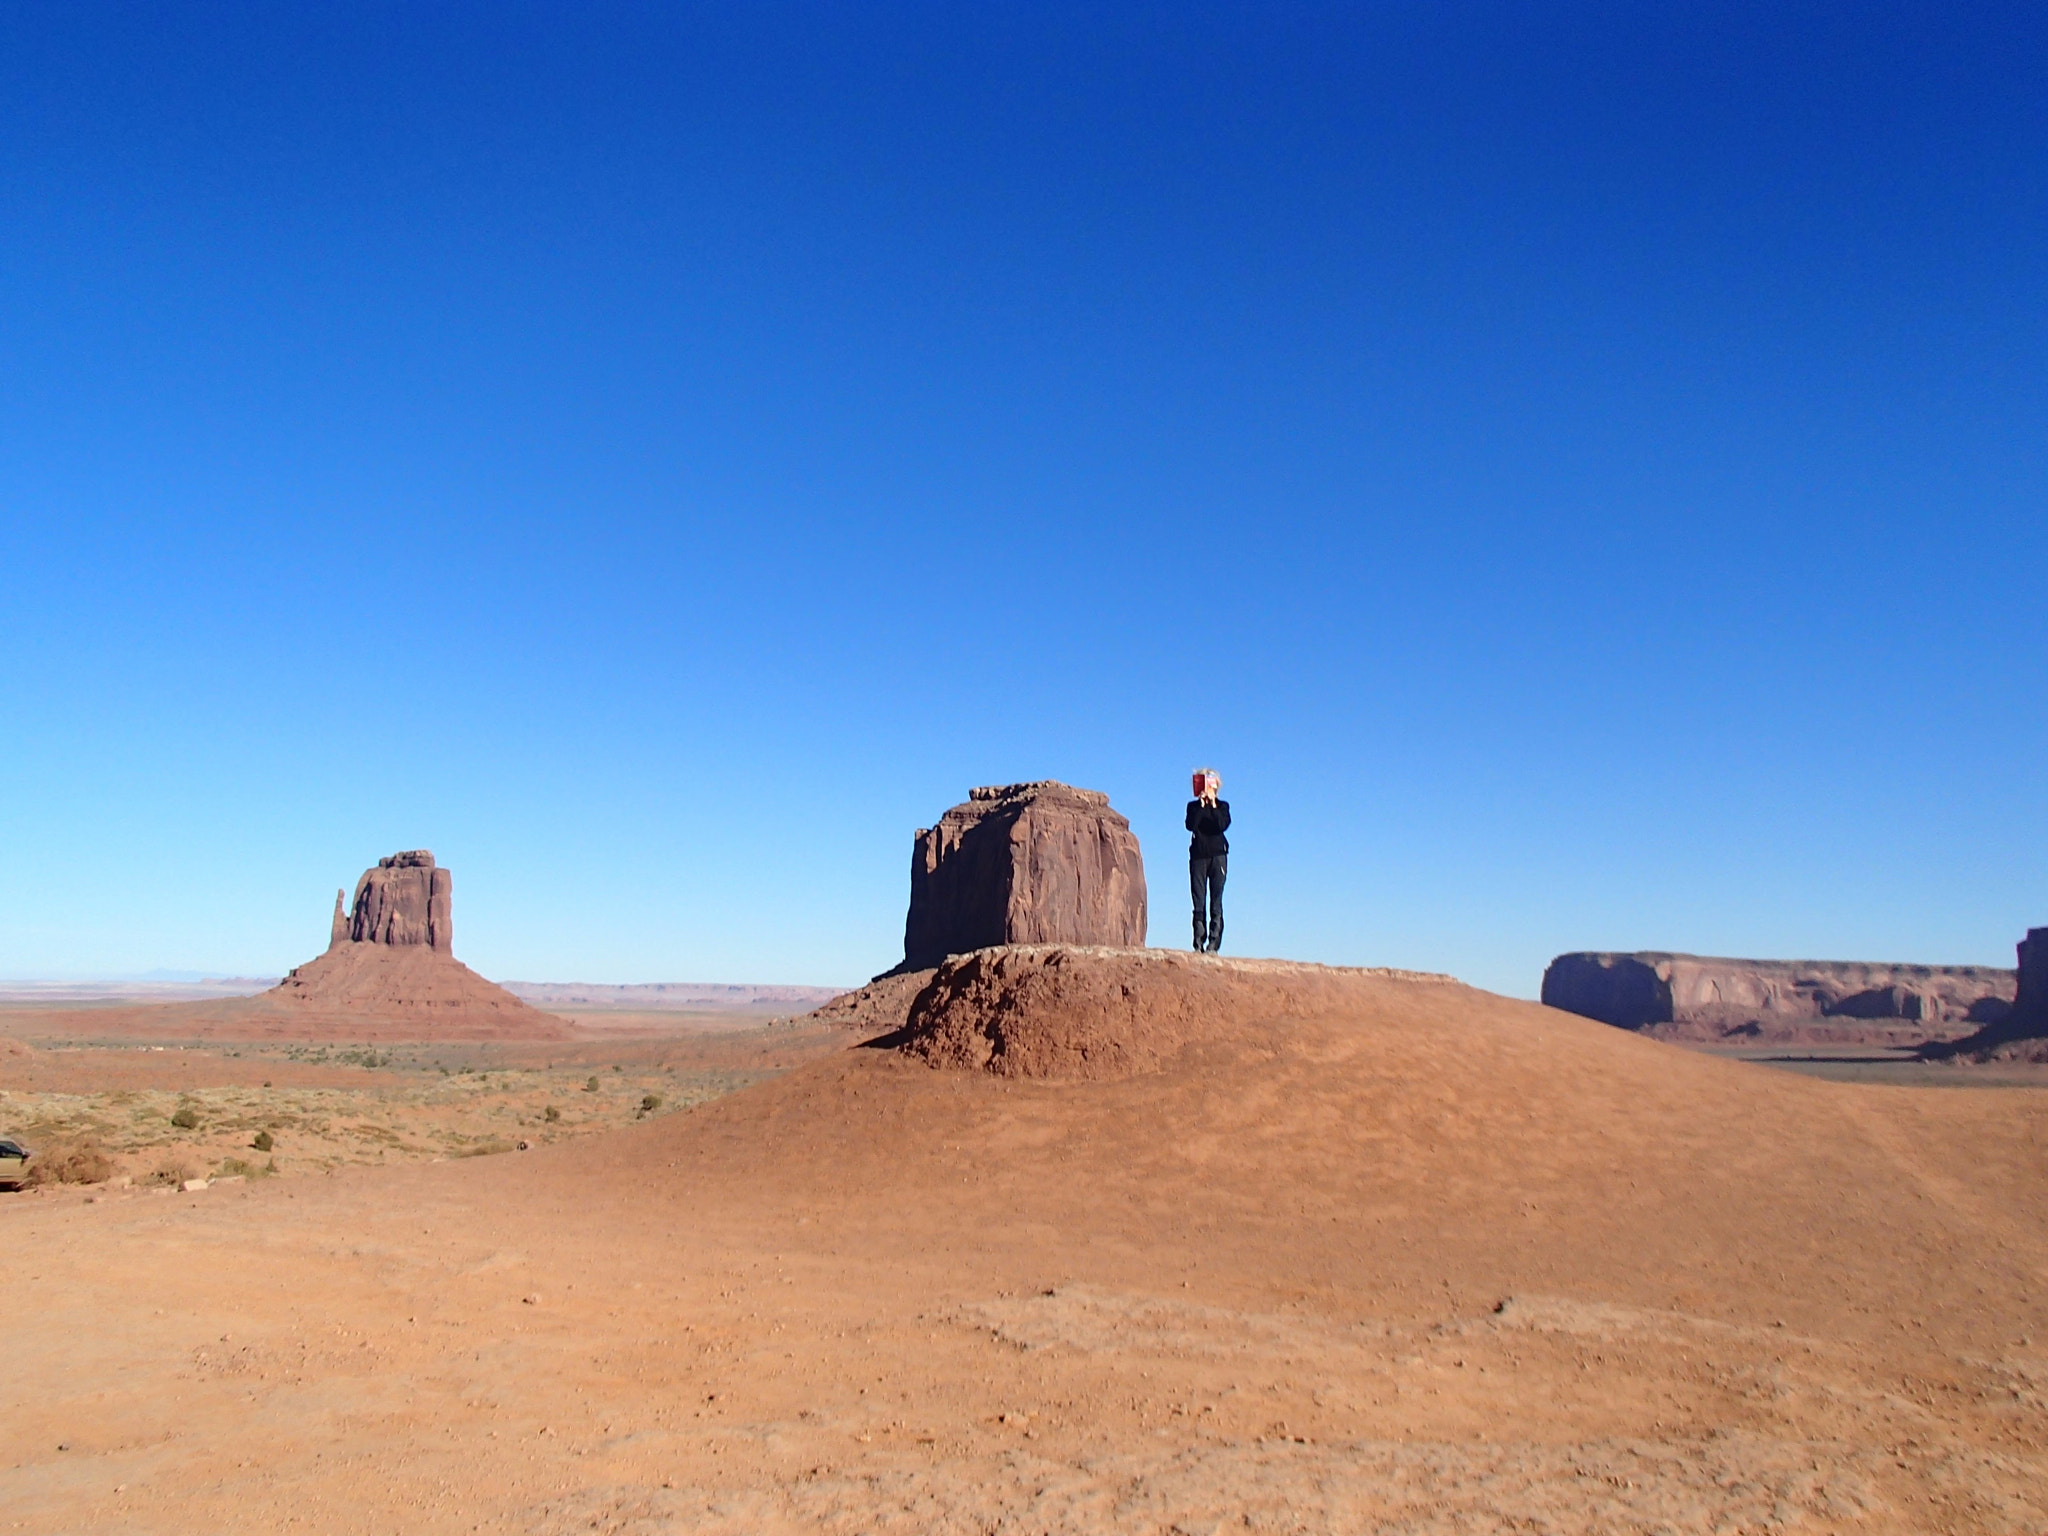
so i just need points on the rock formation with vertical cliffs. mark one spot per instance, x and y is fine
(389, 957)
(2031, 1006)
(1038, 863)
(2022, 1033)
(1698, 997)
(406, 899)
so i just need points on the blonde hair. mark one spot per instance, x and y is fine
(1211, 773)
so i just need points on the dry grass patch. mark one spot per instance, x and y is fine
(76, 1162)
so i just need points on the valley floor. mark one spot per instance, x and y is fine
(1461, 1264)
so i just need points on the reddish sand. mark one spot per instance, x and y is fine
(115, 1069)
(1439, 1262)
(359, 992)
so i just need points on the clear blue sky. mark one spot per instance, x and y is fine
(1578, 470)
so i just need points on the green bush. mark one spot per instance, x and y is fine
(650, 1103)
(551, 1114)
(591, 1086)
(263, 1141)
(186, 1119)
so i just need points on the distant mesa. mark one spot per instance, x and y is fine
(2022, 1034)
(1704, 998)
(1037, 863)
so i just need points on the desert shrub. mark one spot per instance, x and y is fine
(78, 1162)
(551, 1114)
(489, 1148)
(263, 1142)
(649, 1103)
(172, 1171)
(591, 1086)
(186, 1119)
(238, 1167)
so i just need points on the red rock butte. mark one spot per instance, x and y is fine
(387, 974)
(389, 957)
(1037, 863)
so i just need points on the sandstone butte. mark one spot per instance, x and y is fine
(1037, 863)
(1703, 998)
(389, 958)
(388, 973)
(1105, 1241)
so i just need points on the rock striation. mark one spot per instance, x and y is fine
(405, 899)
(1039, 863)
(1698, 997)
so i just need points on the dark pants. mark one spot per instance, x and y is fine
(1205, 883)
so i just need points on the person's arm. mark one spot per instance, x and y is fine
(1194, 810)
(1222, 813)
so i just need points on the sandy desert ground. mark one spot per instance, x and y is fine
(1449, 1262)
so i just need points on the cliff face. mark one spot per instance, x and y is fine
(2031, 1007)
(405, 900)
(1706, 998)
(2022, 1033)
(387, 962)
(1040, 863)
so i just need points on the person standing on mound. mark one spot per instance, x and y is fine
(1208, 858)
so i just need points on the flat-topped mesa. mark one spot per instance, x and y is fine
(1038, 863)
(405, 900)
(1704, 997)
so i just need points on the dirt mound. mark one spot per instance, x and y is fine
(423, 986)
(389, 979)
(1076, 1011)
(880, 1007)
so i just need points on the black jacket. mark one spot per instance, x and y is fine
(1208, 823)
